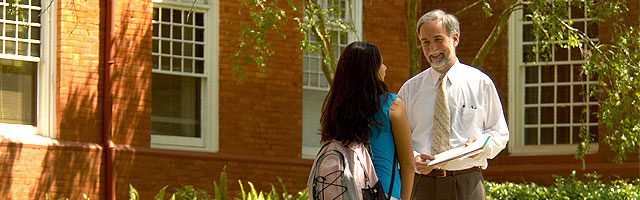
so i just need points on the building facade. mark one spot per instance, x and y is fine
(177, 115)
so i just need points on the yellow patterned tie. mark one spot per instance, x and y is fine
(441, 119)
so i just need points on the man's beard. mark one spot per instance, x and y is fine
(439, 64)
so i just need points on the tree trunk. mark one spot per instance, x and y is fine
(412, 44)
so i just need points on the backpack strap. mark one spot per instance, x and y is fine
(393, 168)
(367, 181)
(393, 172)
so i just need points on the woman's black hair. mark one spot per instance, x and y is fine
(354, 98)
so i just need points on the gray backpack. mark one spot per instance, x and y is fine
(342, 172)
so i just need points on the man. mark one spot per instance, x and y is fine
(450, 105)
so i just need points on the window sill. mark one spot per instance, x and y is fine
(567, 149)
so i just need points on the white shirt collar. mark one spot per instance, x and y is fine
(451, 73)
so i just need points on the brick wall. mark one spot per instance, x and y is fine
(384, 24)
(256, 115)
(260, 118)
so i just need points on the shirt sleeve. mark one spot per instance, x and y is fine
(403, 95)
(495, 124)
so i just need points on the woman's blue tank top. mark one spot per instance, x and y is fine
(383, 146)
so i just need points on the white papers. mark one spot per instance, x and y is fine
(461, 152)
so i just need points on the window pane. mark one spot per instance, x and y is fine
(546, 136)
(18, 92)
(593, 113)
(166, 15)
(177, 32)
(531, 115)
(563, 135)
(531, 95)
(188, 65)
(10, 30)
(311, 112)
(177, 16)
(578, 115)
(563, 114)
(176, 64)
(166, 31)
(199, 66)
(199, 19)
(35, 33)
(188, 33)
(579, 93)
(527, 33)
(547, 94)
(23, 48)
(564, 73)
(531, 74)
(35, 16)
(593, 131)
(35, 50)
(531, 136)
(199, 35)
(547, 115)
(176, 105)
(527, 53)
(575, 136)
(548, 74)
(563, 94)
(561, 54)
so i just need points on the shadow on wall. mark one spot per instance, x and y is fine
(75, 166)
(8, 161)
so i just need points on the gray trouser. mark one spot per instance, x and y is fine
(467, 186)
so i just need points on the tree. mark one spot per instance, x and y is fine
(619, 97)
(317, 21)
(615, 66)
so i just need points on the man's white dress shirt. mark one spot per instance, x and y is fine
(475, 110)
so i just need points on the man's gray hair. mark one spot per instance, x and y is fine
(450, 21)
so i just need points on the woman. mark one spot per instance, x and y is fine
(359, 108)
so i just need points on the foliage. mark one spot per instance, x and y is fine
(566, 188)
(318, 27)
(619, 97)
(616, 67)
(221, 190)
(253, 46)
(189, 192)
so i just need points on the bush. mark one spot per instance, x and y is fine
(566, 188)
(188, 192)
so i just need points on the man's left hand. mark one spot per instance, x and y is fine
(469, 141)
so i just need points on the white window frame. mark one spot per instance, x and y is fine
(209, 141)
(356, 14)
(516, 75)
(46, 80)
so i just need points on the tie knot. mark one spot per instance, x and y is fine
(442, 76)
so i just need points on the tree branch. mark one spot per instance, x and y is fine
(493, 37)
(469, 7)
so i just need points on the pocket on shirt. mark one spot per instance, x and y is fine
(470, 119)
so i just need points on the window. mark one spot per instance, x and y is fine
(184, 79)
(548, 94)
(314, 84)
(27, 68)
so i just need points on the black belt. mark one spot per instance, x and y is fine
(439, 173)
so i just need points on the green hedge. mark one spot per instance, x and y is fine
(567, 188)
(564, 188)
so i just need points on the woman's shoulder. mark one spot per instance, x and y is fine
(390, 96)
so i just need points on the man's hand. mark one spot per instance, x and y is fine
(422, 166)
(469, 141)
